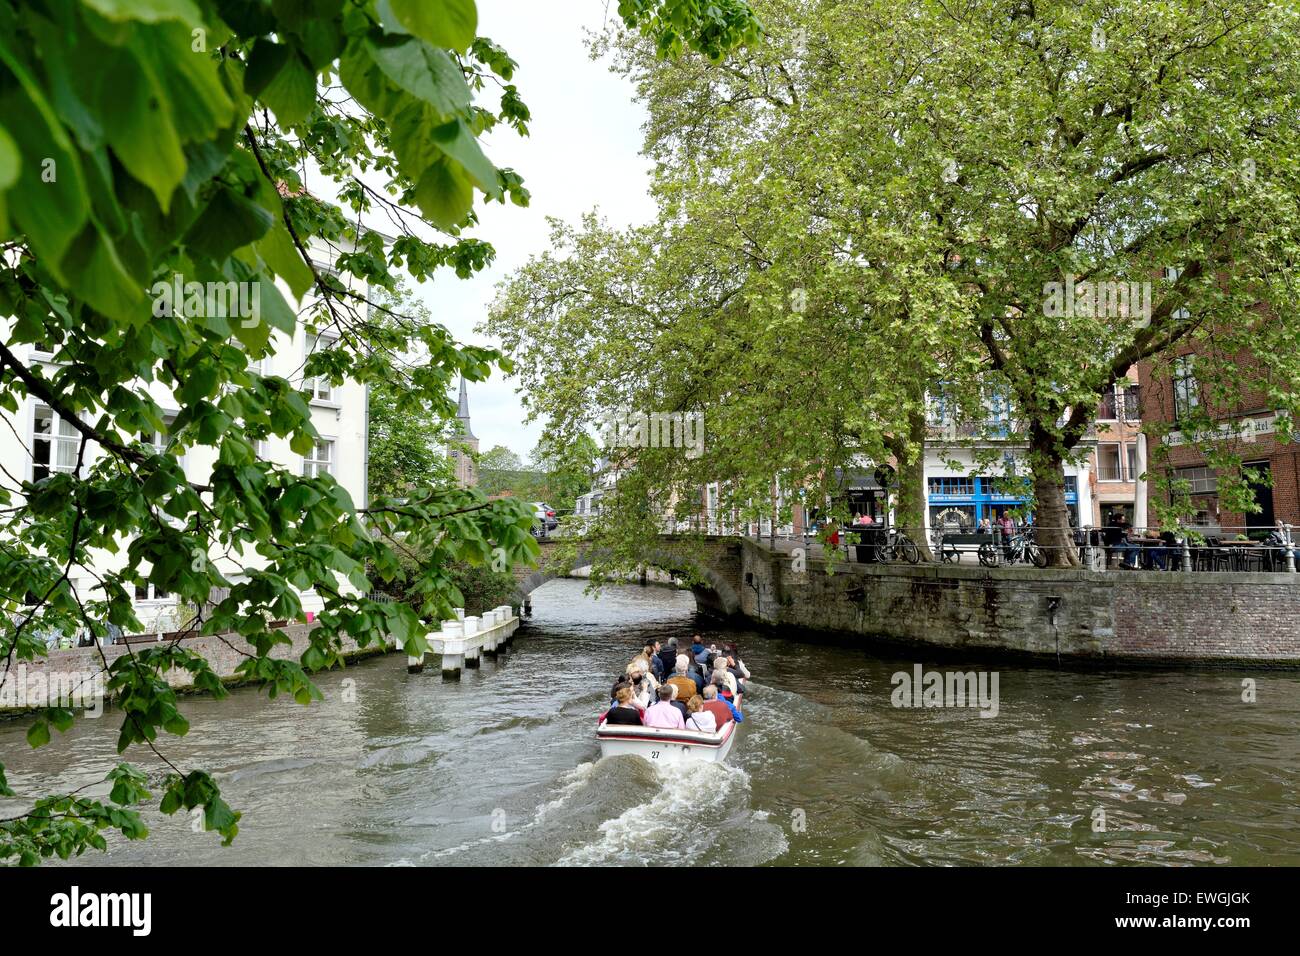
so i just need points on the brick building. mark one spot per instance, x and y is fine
(1119, 458)
(1247, 429)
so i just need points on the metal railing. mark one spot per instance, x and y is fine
(1182, 547)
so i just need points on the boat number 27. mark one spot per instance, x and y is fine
(654, 755)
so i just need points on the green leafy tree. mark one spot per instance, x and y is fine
(145, 141)
(920, 184)
(568, 467)
(500, 470)
(406, 435)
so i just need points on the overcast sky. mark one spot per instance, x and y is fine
(583, 152)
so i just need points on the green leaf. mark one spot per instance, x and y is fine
(444, 195)
(147, 11)
(10, 161)
(265, 62)
(279, 252)
(422, 71)
(137, 122)
(38, 734)
(456, 140)
(231, 220)
(97, 272)
(49, 203)
(291, 95)
(443, 23)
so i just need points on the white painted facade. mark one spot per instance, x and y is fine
(36, 442)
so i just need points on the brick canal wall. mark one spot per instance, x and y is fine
(1111, 617)
(72, 669)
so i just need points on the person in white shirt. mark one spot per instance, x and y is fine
(698, 718)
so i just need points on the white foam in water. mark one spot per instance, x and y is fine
(654, 832)
(570, 783)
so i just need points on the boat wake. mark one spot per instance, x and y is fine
(697, 813)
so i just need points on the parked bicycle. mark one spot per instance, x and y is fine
(897, 545)
(1020, 547)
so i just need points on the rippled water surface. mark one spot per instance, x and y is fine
(502, 767)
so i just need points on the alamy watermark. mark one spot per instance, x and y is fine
(1098, 300)
(54, 688)
(923, 688)
(627, 429)
(235, 300)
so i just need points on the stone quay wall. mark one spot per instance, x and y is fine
(1149, 617)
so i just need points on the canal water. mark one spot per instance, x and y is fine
(502, 767)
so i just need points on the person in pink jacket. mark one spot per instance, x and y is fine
(664, 714)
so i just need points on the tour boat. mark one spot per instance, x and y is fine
(662, 745)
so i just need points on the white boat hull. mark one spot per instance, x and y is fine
(660, 745)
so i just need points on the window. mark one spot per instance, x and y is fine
(957, 485)
(1107, 411)
(1132, 461)
(319, 387)
(149, 592)
(54, 444)
(1173, 273)
(999, 415)
(320, 461)
(1110, 462)
(1071, 484)
(1201, 481)
(155, 440)
(161, 441)
(938, 411)
(1187, 393)
(1132, 403)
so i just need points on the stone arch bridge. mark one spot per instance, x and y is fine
(715, 562)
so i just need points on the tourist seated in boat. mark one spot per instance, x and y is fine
(664, 714)
(644, 686)
(686, 684)
(737, 667)
(677, 701)
(723, 678)
(651, 653)
(724, 692)
(722, 710)
(668, 658)
(698, 718)
(625, 710)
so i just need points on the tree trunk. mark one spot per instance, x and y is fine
(912, 500)
(1052, 530)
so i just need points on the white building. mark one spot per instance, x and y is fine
(37, 443)
(969, 469)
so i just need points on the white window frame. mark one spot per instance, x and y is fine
(311, 466)
(161, 440)
(152, 598)
(1186, 387)
(318, 386)
(54, 438)
(1102, 467)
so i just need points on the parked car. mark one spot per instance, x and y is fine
(546, 520)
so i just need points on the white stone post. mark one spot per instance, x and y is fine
(453, 648)
(488, 626)
(472, 642)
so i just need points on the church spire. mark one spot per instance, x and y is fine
(462, 412)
